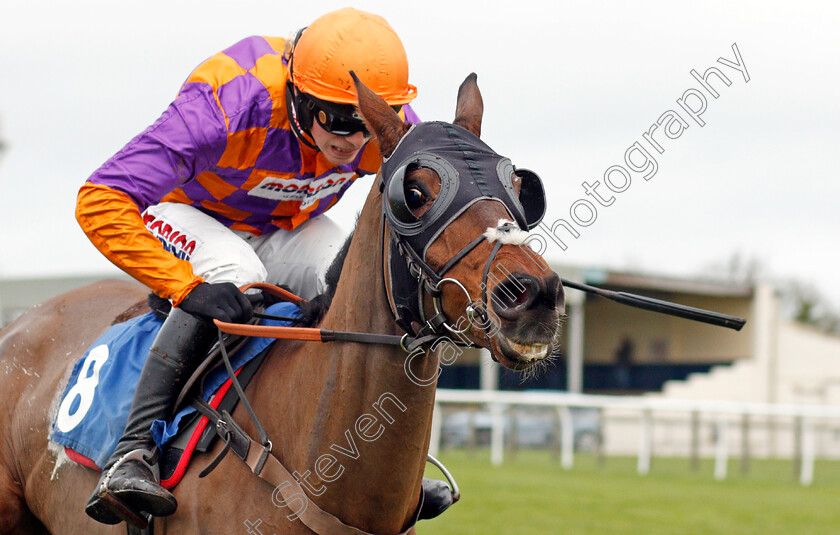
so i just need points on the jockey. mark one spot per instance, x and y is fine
(228, 187)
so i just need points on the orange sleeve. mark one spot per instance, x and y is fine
(112, 221)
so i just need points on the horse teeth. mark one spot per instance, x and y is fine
(530, 352)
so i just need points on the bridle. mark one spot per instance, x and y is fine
(469, 172)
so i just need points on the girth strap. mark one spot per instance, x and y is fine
(265, 465)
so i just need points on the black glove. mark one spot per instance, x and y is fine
(222, 301)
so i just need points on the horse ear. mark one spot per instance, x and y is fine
(470, 106)
(380, 118)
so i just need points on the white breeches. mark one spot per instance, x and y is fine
(298, 259)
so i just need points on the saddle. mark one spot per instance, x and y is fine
(98, 395)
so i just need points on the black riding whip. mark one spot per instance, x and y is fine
(663, 307)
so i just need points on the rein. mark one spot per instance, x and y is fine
(312, 334)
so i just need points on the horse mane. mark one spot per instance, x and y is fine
(141, 307)
(311, 312)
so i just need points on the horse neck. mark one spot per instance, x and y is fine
(363, 408)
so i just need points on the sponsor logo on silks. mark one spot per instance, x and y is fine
(307, 191)
(174, 240)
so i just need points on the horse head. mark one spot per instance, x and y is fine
(455, 221)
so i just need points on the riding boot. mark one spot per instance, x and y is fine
(437, 498)
(129, 485)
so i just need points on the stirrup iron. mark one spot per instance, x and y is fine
(141, 455)
(453, 486)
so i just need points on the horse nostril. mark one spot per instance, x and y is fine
(554, 295)
(515, 294)
(520, 292)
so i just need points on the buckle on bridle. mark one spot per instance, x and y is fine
(414, 270)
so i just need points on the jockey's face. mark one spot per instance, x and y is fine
(338, 149)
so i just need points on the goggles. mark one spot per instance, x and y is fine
(339, 124)
(337, 119)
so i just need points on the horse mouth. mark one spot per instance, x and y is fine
(521, 356)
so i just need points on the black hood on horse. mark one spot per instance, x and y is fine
(469, 170)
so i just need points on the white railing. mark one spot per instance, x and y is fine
(806, 418)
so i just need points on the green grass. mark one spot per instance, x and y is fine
(533, 494)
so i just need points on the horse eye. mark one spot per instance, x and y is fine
(415, 197)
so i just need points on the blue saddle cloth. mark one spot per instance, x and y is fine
(94, 407)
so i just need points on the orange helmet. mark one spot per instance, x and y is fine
(345, 40)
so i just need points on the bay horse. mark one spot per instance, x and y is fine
(352, 420)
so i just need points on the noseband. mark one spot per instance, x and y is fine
(469, 172)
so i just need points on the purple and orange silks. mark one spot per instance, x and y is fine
(224, 146)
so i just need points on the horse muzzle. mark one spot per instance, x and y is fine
(529, 310)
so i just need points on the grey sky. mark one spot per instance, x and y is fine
(568, 87)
